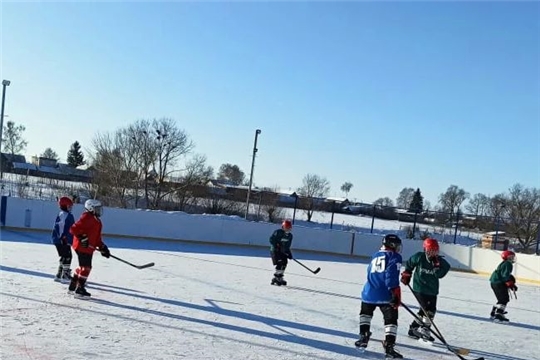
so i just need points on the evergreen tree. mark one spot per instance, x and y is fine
(75, 157)
(417, 203)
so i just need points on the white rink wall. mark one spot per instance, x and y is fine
(39, 215)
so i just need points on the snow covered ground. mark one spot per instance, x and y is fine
(216, 302)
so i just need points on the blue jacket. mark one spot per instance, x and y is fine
(383, 275)
(63, 222)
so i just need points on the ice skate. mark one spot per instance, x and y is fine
(500, 318)
(362, 343)
(390, 352)
(81, 293)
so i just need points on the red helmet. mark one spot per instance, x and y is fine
(508, 255)
(286, 225)
(431, 246)
(65, 203)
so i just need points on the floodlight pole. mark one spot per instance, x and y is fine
(257, 132)
(5, 83)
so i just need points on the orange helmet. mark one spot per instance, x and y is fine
(508, 255)
(286, 225)
(65, 203)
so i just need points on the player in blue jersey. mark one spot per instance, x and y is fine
(382, 290)
(62, 239)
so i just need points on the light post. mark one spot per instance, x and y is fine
(5, 83)
(257, 132)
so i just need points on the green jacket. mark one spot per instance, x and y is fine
(425, 275)
(281, 241)
(502, 273)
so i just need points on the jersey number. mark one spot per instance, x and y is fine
(378, 264)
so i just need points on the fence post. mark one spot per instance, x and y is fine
(457, 224)
(372, 219)
(414, 224)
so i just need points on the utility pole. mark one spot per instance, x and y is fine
(257, 132)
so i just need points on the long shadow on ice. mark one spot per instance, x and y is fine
(49, 276)
(178, 246)
(283, 336)
(279, 324)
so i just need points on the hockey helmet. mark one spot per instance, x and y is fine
(65, 203)
(94, 206)
(431, 247)
(392, 242)
(286, 225)
(509, 255)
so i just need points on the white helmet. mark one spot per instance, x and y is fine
(94, 206)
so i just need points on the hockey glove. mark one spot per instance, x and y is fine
(64, 240)
(104, 250)
(396, 297)
(511, 285)
(84, 240)
(289, 255)
(406, 277)
(435, 261)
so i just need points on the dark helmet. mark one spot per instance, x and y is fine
(392, 242)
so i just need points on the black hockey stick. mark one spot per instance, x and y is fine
(313, 271)
(461, 351)
(127, 262)
(453, 350)
(135, 266)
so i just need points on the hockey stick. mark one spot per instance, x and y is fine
(313, 271)
(127, 262)
(453, 350)
(461, 351)
(135, 266)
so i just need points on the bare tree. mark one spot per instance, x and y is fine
(169, 145)
(313, 187)
(384, 202)
(523, 211)
(478, 205)
(231, 173)
(405, 198)
(196, 173)
(452, 199)
(49, 153)
(12, 138)
(270, 204)
(346, 188)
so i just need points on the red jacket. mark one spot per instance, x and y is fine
(89, 225)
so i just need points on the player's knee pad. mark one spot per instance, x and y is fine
(83, 271)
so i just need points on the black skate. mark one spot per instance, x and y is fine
(278, 280)
(362, 343)
(390, 352)
(58, 276)
(73, 284)
(81, 293)
(500, 318)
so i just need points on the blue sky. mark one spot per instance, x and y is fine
(384, 95)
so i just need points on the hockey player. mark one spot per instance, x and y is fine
(280, 250)
(502, 281)
(382, 290)
(87, 238)
(427, 267)
(62, 239)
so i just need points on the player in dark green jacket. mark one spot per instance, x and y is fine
(502, 281)
(427, 267)
(280, 249)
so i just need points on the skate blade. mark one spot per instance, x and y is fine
(425, 342)
(81, 297)
(460, 351)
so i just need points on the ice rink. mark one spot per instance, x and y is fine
(216, 302)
